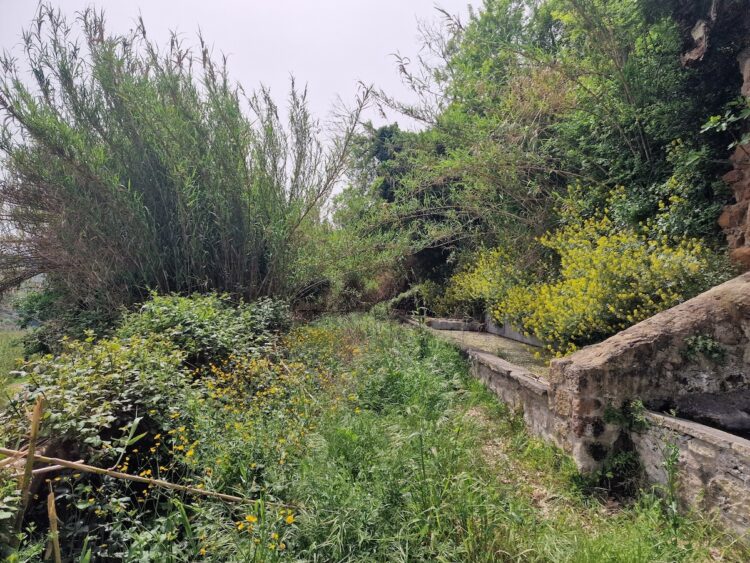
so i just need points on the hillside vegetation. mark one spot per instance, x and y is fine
(217, 278)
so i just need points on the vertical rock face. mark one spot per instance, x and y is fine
(735, 220)
(703, 24)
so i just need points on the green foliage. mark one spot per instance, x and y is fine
(359, 440)
(10, 500)
(738, 111)
(610, 277)
(10, 353)
(706, 346)
(130, 168)
(632, 416)
(528, 102)
(49, 318)
(95, 390)
(621, 476)
(207, 327)
(486, 280)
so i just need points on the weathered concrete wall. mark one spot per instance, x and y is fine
(713, 472)
(506, 330)
(648, 361)
(520, 389)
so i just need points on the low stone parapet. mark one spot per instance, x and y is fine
(519, 389)
(713, 470)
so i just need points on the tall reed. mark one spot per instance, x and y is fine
(131, 168)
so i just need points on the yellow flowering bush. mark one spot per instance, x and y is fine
(609, 278)
(486, 280)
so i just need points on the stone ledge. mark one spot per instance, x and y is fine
(524, 377)
(438, 323)
(719, 438)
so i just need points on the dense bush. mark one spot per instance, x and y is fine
(485, 280)
(200, 362)
(610, 277)
(207, 327)
(94, 390)
(129, 168)
(528, 101)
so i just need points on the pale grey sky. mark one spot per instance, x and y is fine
(328, 44)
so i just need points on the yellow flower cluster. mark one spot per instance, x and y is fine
(486, 280)
(609, 279)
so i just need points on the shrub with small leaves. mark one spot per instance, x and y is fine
(208, 327)
(95, 390)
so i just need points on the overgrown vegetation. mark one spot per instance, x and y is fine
(550, 127)
(565, 179)
(130, 168)
(556, 129)
(351, 439)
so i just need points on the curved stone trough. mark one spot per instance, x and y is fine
(658, 362)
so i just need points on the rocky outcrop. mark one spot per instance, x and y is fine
(700, 28)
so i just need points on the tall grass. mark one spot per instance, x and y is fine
(10, 351)
(130, 167)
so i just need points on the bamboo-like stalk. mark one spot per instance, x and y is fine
(137, 478)
(36, 417)
(54, 533)
(11, 459)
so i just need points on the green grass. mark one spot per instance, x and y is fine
(432, 467)
(364, 441)
(408, 458)
(10, 350)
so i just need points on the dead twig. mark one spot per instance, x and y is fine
(54, 534)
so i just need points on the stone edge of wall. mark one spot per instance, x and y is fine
(713, 471)
(645, 362)
(520, 389)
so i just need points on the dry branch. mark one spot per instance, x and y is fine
(36, 417)
(137, 478)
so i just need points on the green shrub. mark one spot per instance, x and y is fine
(94, 391)
(485, 280)
(207, 327)
(49, 317)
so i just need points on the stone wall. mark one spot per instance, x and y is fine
(713, 472)
(519, 389)
(651, 361)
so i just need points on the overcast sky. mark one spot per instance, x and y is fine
(329, 44)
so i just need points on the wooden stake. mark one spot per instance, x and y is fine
(137, 478)
(54, 535)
